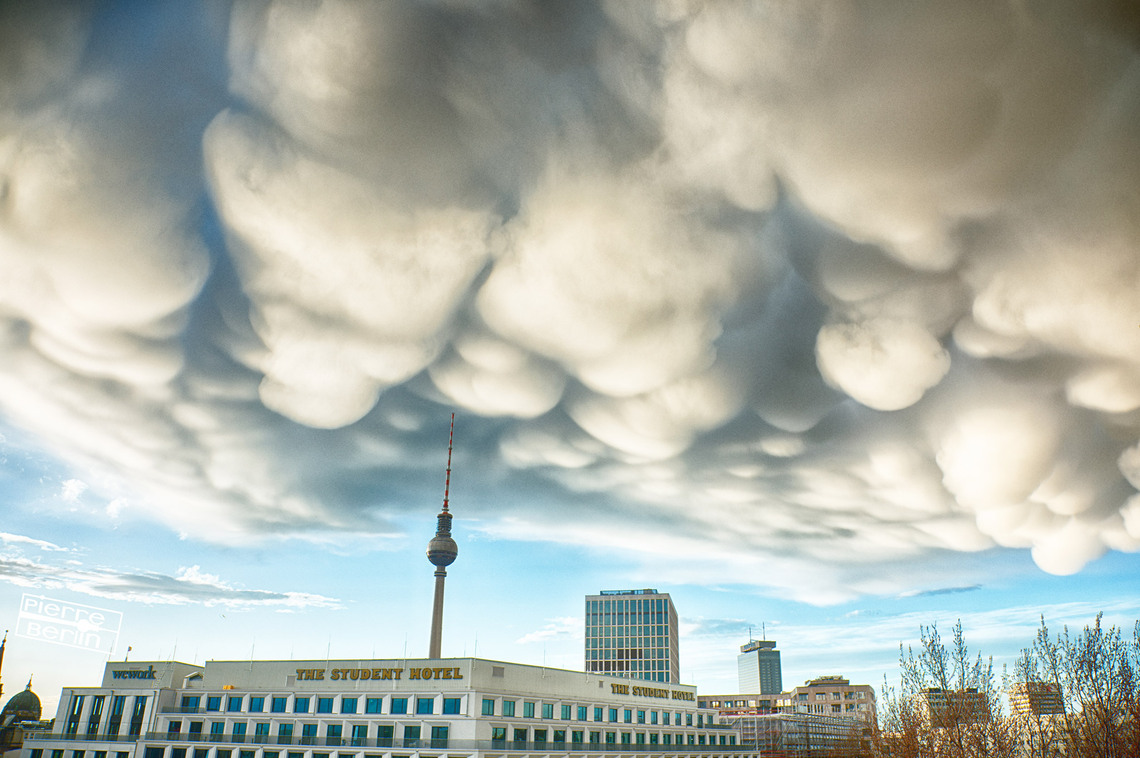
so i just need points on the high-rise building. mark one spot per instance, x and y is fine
(1036, 699)
(758, 668)
(633, 633)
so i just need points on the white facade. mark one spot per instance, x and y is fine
(758, 668)
(375, 709)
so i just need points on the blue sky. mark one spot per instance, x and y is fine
(822, 318)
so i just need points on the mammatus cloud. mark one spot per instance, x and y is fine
(826, 286)
(189, 586)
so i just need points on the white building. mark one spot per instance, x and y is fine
(633, 633)
(758, 668)
(428, 708)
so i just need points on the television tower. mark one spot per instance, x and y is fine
(441, 552)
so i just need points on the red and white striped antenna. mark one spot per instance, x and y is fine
(447, 482)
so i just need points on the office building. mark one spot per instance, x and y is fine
(1036, 699)
(944, 708)
(632, 633)
(758, 668)
(831, 696)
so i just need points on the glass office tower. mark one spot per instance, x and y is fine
(632, 633)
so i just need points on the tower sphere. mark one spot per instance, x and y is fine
(441, 551)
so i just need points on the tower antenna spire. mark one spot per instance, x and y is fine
(447, 480)
(441, 553)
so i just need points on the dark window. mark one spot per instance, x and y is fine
(191, 701)
(285, 734)
(137, 715)
(411, 736)
(540, 736)
(218, 727)
(308, 734)
(333, 735)
(559, 735)
(520, 737)
(173, 728)
(233, 703)
(498, 734)
(359, 734)
(439, 737)
(155, 752)
(451, 705)
(239, 732)
(213, 702)
(384, 735)
(95, 716)
(261, 732)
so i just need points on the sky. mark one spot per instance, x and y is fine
(823, 317)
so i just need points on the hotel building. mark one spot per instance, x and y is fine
(633, 633)
(437, 708)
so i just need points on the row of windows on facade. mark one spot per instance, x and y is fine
(114, 717)
(635, 666)
(620, 607)
(600, 713)
(384, 733)
(618, 642)
(660, 631)
(849, 695)
(302, 704)
(835, 708)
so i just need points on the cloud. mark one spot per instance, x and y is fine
(559, 628)
(20, 539)
(823, 286)
(190, 586)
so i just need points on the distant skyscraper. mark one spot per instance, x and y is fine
(633, 633)
(758, 668)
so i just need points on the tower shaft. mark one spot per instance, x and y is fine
(437, 615)
(441, 552)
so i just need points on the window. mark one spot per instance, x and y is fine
(700, 719)
(508, 707)
(665, 718)
(238, 732)
(172, 729)
(300, 705)
(625, 738)
(348, 705)
(425, 705)
(384, 735)
(641, 717)
(411, 735)
(217, 728)
(528, 710)
(359, 734)
(285, 734)
(324, 705)
(233, 703)
(597, 714)
(836, 707)
(581, 713)
(565, 713)
(640, 738)
(308, 734)
(195, 733)
(451, 705)
(611, 738)
(520, 736)
(613, 715)
(701, 740)
(668, 739)
(332, 734)
(214, 703)
(559, 735)
(498, 734)
(834, 695)
(488, 706)
(627, 714)
(151, 752)
(539, 736)
(256, 704)
(277, 704)
(399, 705)
(548, 710)
(372, 705)
(653, 738)
(576, 736)
(439, 737)
(653, 717)
(688, 719)
(261, 732)
(37, 753)
(191, 701)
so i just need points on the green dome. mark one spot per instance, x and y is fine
(23, 706)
